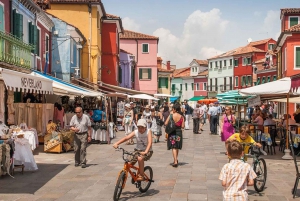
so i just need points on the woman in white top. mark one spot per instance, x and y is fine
(127, 121)
(147, 116)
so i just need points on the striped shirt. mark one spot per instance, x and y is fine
(236, 175)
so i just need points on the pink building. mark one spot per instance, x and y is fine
(144, 49)
(200, 82)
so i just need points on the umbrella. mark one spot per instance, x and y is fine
(143, 96)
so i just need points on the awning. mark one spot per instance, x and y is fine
(172, 99)
(120, 89)
(61, 87)
(196, 98)
(17, 81)
(143, 96)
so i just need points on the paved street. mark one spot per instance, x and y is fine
(196, 178)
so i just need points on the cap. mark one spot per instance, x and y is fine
(147, 107)
(131, 102)
(127, 105)
(142, 122)
(152, 107)
(216, 102)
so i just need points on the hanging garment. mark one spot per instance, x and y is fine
(23, 155)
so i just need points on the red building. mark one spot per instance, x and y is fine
(200, 88)
(111, 27)
(245, 57)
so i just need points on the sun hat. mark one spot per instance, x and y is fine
(142, 122)
(127, 105)
(147, 107)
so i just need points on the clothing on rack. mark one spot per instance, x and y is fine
(5, 158)
(23, 155)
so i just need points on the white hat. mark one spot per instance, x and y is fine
(127, 105)
(131, 102)
(142, 122)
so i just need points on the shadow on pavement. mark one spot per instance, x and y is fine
(255, 193)
(30, 182)
(131, 195)
(182, 163)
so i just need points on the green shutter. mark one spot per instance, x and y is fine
(263, 80)
(38, 42)
(297, 57)
(2, 28)
(167, 82)
(149, 73)
(250, 80)
(132, 74)
(29, 32)
(192, 84)
(21, 27)
(16, 24)
(236, 81)
(159, 82)
(258, 81)
(180, 87)
(120, 75)
(34, 38)
(246, 80)
(269, 79)
(274, 78)
(173, 87)
(249, 61)
(293, 21)
(236, 62)
(140, 73)
(186, 86)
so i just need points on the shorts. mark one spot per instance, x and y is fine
(145, 157)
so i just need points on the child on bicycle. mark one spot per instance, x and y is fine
(143, 150)
(243, 137)
(236, 175)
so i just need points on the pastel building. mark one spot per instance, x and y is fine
(177, 83)
(126, 69)
(164, 78)
(199, 73)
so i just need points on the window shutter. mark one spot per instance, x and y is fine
(293, 21)
(120, 75)
(29, 33)
(269, 79)
(173, 87)
(192, 84)
(274, 78)
(34, 38)
(297, 57)
(180, 87)
(21, 27)
(132, 74)
(149, 73)
(14, 24)
(2, 18)
(258, 81)
(246, 80)
(159, 82)
(140, 73)
(186, 86)
(250, 80)
(167, 82)
(38, 42)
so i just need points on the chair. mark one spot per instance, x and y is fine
(297, 163)
(272, 131)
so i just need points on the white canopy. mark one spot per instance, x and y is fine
(284, 100)
(281, 86)
(143, 96)
(163, 95)
(116, 94)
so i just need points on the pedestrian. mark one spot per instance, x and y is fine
(275, 110)
(174, 141)
(195, 117)
(81, 124)
(188, 114)
(143, 146)
(213, 118)
(147, 116)
(227, 123)
(127, 122)
(134, 111)
(205, 109)
(156, 124)
(236, 175)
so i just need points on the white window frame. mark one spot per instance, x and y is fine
(295, 58)
(236, 84)
(204, 86)
(143, 48)
(292, 17)
(243, 61)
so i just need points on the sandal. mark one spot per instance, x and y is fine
(127, 143)
(140, 178)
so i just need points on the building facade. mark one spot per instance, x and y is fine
(127, 69)
(199, 73)
(144, 49)
(164, 76)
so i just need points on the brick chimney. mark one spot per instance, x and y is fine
(168, 65)
(159, 62)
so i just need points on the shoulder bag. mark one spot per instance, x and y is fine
(171, 125)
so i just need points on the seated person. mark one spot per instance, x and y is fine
(143, 145)
(269, 121)
(258, 119)
(243, 137)
(291, 121)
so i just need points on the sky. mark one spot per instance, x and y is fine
(200, 29)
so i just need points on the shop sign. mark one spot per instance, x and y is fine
(254, 101)
(31, 83)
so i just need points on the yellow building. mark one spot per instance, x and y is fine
(86, 16)
(164, 79)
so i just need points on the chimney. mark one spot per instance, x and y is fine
(159, 62)
(168, 65)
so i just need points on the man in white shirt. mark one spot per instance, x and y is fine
(205, 109)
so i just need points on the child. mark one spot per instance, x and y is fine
(236, 175)
(243, 137)
(143, 146)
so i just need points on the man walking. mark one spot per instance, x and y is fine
(196, 116)
(213, 118)
(188, 114)
(204, 108)
(81, 125)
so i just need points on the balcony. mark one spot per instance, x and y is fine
(14, 51)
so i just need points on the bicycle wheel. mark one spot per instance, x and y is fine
(145, 185)
(260, 168)
(119, 185)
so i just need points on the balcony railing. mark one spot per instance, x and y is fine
(14, 51)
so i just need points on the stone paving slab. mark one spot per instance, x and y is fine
(196, 177)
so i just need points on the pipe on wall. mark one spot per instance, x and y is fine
(90, 40)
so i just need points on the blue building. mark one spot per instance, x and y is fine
(67, 42)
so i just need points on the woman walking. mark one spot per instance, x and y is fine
(147, 116)
(174, 141)
(127, 121)
(156, 126)
(227, 123)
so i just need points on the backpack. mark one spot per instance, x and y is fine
(97, 115)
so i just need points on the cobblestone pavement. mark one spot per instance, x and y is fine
(196, 178)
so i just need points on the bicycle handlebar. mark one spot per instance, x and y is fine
(126, 152)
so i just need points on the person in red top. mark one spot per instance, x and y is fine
(174, 141)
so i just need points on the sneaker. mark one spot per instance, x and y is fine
(83, 166)
(76, 164)
(263, 152)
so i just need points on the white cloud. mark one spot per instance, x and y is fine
(272, 24)
(130, 24)
(257, 14)
(202, 32)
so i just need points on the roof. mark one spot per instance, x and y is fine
(289, 11)
(44, 4)
(165, 70)
(247, 49)
(226, 54)
(75, 1)
(260, 61)
(182, 72)
(202, 62)
(112, 16)
(259, 42)
(295, 28)
(135, 35)
(124, 51)
(203, 73)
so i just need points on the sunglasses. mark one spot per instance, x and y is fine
(226, 109)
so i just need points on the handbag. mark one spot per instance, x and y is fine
(171, 125)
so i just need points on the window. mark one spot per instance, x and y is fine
(145, 73)
(225, 83)
(197, 86)
(230, 83)
(132, 73)
(192, 85)
(17, 29)
(297, 57)
(269, 79)
(224, 63)
(243, 81)
(37, 44)
(230, 62)
(263, 80)
(274, 78)
(192, 69)
(173, 87)
(249, 80)
(216, 84)
(220, 64)
(47, 43)
(249, 61)
(236, 62)
(145, 48)
(236, 82)
(163, 82)
(205, 86)
(2, 16)
(258, 81)
(245, 61)
(186, 86)
(210, 64)
(271, 46)
(210, 84)
(216, 64)
(293, 21)
(180, 87)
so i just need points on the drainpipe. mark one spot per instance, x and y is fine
(90, 40)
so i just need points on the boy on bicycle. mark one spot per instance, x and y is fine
(143, 150)
(243, 137)
(236, 175)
